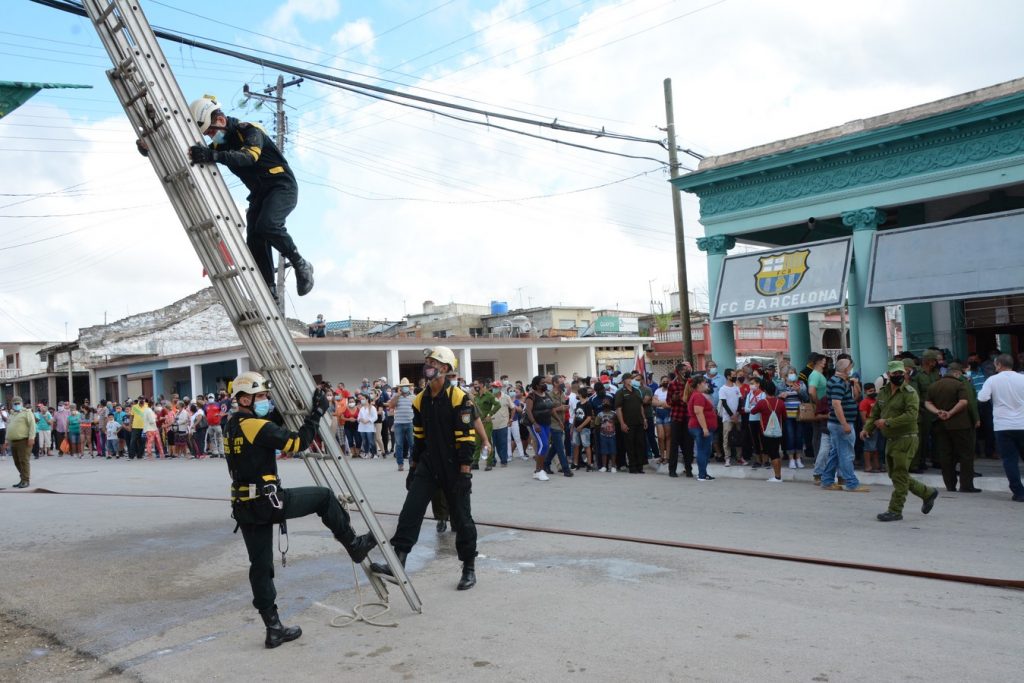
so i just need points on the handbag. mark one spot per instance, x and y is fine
(65, 446)
(806, 413)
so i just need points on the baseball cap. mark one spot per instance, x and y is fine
(896, 366)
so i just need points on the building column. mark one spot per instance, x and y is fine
(195, 378)
(94, 388)
(122, 388)
(243, 365)
(158, 385)
(51, 391)
(466, 364)
(799, 340)
(392, 363)
(873, 352)
(854, 306)
(33, 400)
(1005, 342)
(723, 339)
(591, 361)
(532, 362)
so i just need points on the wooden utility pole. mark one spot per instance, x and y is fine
(275, 94)
(677, 215)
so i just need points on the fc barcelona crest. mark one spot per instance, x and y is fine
(781, 273)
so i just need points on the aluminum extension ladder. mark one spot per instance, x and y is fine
(160, 116)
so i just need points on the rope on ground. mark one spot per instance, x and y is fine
(357, 614)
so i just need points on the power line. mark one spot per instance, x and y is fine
(366, 89)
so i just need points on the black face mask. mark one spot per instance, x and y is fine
(897, 380)
(429, 372)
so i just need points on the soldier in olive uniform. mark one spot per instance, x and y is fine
(896, 414)
(486, 406)
(927, 375)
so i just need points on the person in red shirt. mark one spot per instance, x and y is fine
(703, 422)
(769, 405)
(871, 463)
(214, 434)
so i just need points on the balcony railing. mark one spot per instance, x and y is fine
(696, 334)
(10, 373)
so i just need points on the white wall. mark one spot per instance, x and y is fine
(569, 359)
(350, 366)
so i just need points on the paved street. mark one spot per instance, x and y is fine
(152, 586)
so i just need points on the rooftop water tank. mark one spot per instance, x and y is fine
(499, 307)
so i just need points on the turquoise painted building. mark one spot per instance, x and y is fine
(931, 195)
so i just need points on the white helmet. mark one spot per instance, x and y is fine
(442, 354)
(202, 111)
(249, 383)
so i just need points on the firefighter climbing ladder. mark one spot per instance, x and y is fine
(160, 116)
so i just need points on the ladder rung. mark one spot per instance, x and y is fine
(227, 274)
(208, 224)
(122, 66)
(245, 321)
(136, 97)
(176, 175)
(156, 126)
(106, 12)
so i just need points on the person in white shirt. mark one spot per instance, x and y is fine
(729, 412)
(1006, 391)
(367, 418)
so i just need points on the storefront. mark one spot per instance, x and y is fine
(929, 200)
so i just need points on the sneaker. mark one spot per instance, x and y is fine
(755, 466)
(792, 464)
(488, 468)
(706, 477)
(611, 469)
(603, 469)
(817, 478)
(799, 464)
(832, 487)
(567, 473)
(727, 463)
(540, 476)
(864, 489)
(775, 480)
(741, 462)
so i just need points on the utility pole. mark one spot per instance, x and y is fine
(677, 215)
(275, 94)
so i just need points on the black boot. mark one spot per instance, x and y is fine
(277, 633)
(360, 547)
(382, 568)
(468, 579)
(303, 276)
(442, 526)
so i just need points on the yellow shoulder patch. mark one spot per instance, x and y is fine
(458, 396)
(251, 427)
(417, 399)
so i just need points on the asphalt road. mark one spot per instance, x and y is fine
(150, 583)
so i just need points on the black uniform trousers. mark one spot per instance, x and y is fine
(679, 439)
(265, 226)
(425, 482)
(636, 447)
(259, 538)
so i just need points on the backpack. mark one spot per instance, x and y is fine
(773, 430)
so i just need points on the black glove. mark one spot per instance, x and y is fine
(201, 154)
(464, 482)
(319, 405)
(408, 480)
(143, 148)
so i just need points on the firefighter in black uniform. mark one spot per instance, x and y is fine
(251, 154)
(443, 441)
(258, 501)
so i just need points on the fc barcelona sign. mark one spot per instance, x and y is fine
(805, 277)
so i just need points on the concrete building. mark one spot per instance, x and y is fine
(928, 201)
(39, 372)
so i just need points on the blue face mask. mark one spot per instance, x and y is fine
(218, 139)
(17, 407)
(635, 383)
(712, 371)
(261, 408)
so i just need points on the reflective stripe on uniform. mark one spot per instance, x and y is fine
(275, 170)
(251, 428)
(254, 152)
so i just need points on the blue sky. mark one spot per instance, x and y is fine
(398, 206)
